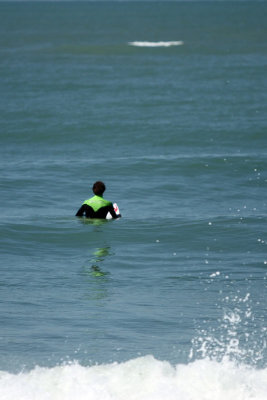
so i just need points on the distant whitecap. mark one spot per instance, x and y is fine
(156, 44)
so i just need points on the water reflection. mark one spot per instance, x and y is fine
(94, 221)
(96, 276)
(99, 256)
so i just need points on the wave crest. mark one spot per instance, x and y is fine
(143, 378)
(156, 44)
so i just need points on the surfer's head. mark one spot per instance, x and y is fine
(99, 188)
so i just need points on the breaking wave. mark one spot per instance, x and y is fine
(143, 378)
(224, 363)
(156, 44)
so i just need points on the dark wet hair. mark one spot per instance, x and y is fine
(99, 188)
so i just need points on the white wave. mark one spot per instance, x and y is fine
(156, 44)
(144, 378)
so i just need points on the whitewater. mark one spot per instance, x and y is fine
(143, 378)
(157, 44)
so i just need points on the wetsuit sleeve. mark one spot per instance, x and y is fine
(86, 211)
(81, 211)
(112, 212)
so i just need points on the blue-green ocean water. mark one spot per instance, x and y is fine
(178, 134)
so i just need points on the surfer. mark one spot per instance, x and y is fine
(96, 206)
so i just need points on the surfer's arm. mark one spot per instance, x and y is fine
(85, 210)
(80, 212)
(112, 212)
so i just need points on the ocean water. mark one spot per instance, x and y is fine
(166, 103)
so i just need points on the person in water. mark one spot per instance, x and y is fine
(96, 206)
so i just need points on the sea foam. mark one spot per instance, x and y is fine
(143, 378)
(156, 44)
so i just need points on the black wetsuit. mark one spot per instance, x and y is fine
(96, 207)
(88, 212)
